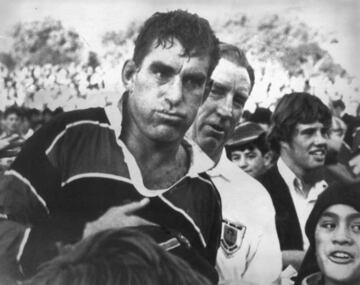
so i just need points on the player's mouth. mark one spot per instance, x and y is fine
(171, 116)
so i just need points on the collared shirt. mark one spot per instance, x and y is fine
(250, 249)
(303, 202)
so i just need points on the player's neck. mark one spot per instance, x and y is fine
(160, 166)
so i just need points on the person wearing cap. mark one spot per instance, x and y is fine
(299, 133)
(248, 239)
(333, 229)
(249, 150)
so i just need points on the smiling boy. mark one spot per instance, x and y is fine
(299, 131)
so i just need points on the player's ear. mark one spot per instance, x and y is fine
(128, 73)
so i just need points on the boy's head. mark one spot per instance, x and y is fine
(333, 229)
(11, 120)
(299, 132)
(249, 149)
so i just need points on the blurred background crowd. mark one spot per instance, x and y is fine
(49, 68)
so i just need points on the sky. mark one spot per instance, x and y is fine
(91, 18)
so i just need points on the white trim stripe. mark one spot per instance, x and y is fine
(181, 211)
(114, 115)
(204, 180)
(67, 127)
(57, 138)
(96, 175)
(27, 182)
(23, 243)
(170, 244)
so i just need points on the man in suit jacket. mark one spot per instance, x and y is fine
(299, 131)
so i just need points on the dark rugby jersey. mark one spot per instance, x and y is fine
(73, 170)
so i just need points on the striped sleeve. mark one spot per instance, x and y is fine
(28, 192)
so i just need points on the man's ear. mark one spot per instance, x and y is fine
(208, 86)
(284, 145)
(268, 159)
(128, 73)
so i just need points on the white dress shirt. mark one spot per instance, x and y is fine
(303, 201)
(250, 249)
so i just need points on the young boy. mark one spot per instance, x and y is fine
(249, 150)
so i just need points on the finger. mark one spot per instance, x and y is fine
(356, 170)
(16, 143)
(13, 137)
(355, 165)
(134, 206)
(354, 161)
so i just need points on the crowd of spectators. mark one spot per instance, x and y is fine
(70, 86)
(77, 86)
(17, 125)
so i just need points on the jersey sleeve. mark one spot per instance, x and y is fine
(27, 192)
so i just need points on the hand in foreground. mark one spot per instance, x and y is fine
(118, 217)
(10, 145)
(355, 164)
(10, 141)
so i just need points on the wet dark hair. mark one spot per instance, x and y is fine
(193, 32)
(292, 109)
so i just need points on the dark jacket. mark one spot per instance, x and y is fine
(287, 222)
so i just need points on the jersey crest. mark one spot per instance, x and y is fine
(231, 237)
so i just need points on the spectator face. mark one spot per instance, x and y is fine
(12, 123)
(308, 147)
(338, 111)
(337, 134)
(222, 109)
(166, 91)
(337, 243)
(250, 160)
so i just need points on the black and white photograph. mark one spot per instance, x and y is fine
(179, 142)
